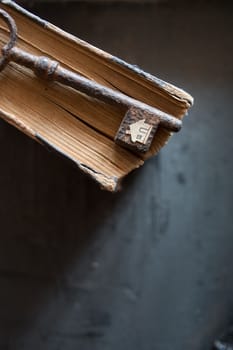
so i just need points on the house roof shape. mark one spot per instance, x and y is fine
(140, 131)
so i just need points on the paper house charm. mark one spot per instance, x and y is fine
(140, 131)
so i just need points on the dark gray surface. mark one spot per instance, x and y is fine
(148, 268)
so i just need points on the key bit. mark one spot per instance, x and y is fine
(140, 122)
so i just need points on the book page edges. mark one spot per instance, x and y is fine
(110, 183)
(171, 90)
(168, 92)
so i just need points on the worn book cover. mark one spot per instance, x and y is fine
(80, 127)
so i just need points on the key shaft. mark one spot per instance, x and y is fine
(141, 120)
(51, 70)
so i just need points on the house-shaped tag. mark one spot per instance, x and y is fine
(137, 129)
(140, 131)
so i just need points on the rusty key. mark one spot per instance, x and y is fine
(140, 122)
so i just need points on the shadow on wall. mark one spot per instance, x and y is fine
(61, 236)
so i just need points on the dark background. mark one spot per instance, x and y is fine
(150, 267)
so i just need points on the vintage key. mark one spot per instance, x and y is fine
(141, 121)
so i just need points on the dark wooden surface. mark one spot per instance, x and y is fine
(148, 268)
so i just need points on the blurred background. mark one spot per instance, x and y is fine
(150, 267)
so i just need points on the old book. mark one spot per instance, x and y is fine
(77, 126)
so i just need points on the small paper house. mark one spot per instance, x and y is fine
(140, 131)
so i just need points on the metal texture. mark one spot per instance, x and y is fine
(132, 134)
(48, 69)
(13, 38)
